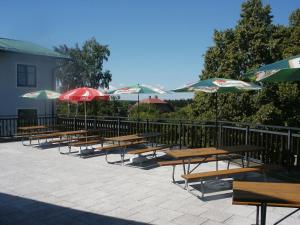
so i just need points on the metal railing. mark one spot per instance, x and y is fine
(281, 144)
(9, 124)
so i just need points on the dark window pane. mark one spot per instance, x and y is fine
(27, 117)
(26, 75)
(31, 79)
(30, 69)
(22, 79)
(21, 69)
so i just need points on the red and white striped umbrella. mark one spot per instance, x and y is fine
(83, 94)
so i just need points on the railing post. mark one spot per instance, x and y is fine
(95, 123)
(247, 135)
(180, 134)
(289, 149)
(75, 123)
(118, 126)
(147, 125)
(220, 134)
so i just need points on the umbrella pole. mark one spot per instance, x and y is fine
(138, 108)
(216, 109)
(45, 108)
(85, 120)
(85, 116)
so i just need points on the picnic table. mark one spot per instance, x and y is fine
(125, 141)
(28, 131)
(133, 137)
(64, 136)
(263, 194)
(32, 128)
(187, 155)
(199, 156)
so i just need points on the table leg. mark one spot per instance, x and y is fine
(183, 165)
(257, 215)
(263, 213)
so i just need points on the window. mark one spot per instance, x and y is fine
(26, 75)
(27, 117)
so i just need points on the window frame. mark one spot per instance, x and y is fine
(26, 75)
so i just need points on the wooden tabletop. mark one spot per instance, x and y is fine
(275, 194)
(28, 128)
(132, 137)
(61, 134)
(206, 152)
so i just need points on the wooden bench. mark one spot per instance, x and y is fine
(147, 149)
(194, 177)
(113, 147)
(201, 160)
(85, 141)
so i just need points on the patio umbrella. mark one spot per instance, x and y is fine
(280, 71)
(83, 94)
(218, 85)
(43, 95)
(138, 89)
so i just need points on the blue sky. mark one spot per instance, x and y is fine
(158, 42)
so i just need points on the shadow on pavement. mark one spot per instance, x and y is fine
(19, 210)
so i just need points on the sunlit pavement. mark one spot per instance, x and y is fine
(41, 186)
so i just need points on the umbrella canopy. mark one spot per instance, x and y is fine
(138, 89)
(83, 94)
(42, 94)
(218, 85)
(280, 71)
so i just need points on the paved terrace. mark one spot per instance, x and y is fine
(40, 187)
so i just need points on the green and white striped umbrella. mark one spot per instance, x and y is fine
(281, 71)
(138, 89)
(218, 85)
(42, 94)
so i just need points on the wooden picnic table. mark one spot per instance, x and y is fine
(204, 152)
(125, 141)
(265, 194)
(32, 128)
(186, 155)
(132, 137)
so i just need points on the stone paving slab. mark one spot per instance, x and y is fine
(43, 187)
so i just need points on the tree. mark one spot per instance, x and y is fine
(254, 41)
(85, 66)
(293, 43)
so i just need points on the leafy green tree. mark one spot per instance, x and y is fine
(85, 67)
(293, 42)
(254, 41)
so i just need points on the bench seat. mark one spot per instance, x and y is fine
(194, 177)
(114, 146)
(145, 150)
(219, 173)
(83, 141)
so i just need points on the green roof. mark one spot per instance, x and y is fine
(26, 47)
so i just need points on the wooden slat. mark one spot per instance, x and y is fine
(211, 174)
(148, 149)
(201, 152)
(275, 193)
(114, 146)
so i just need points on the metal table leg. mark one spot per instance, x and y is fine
(263, 213)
